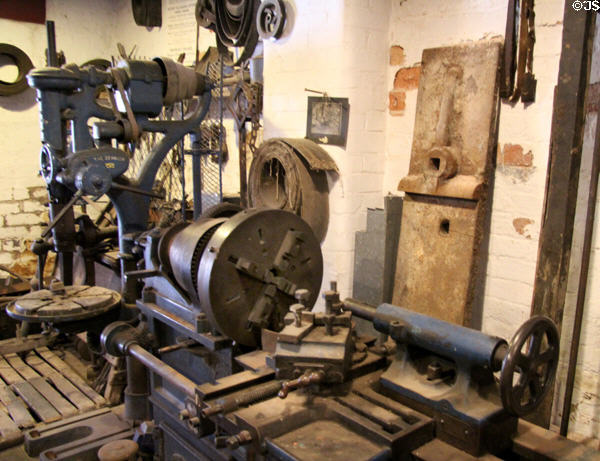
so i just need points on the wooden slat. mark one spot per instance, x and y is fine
(22, 368)
(8, 373)
(74, 395)
(62, 405)
(36, 401)
(16, 408)
(68, 373)
(8, 427)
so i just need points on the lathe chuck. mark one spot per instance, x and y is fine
(242, 271)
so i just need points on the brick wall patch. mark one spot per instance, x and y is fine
(514, 155)
(396, 55)
(521, 225)
(397, 102)
(20, 224)
(407, 78)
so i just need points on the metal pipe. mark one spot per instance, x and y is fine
(182, 166)
(464, 345)
(136, 392)
(360, 309)
(166, 372)
(583, 280)
(51, 57)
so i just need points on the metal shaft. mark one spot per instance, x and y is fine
(162, 369)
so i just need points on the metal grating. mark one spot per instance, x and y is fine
(210, 157)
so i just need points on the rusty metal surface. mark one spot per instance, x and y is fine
(435, 258)
(454, 133)
(439, 265)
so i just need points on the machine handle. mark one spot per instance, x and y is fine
(529, 366)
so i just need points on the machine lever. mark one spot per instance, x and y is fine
(308, 378)
(61, 213)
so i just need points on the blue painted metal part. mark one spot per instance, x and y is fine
(467, 347)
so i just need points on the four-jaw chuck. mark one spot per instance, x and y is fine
(243, 271)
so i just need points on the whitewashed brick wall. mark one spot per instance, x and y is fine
(339, 47)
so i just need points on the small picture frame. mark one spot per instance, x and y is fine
(327, 120)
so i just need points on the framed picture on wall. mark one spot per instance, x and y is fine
(327, 120)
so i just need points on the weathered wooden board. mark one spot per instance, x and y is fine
(438, 268)
(63, 406)
(68, 373)
(8, 373)
(8, 428)
(21, 367)
(70, 391)
(36, 401)
(15, 407)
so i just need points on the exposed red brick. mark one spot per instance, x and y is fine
(593, 98)
(512, 155)
(397, 102)
(396, 55)
(520, 225)
(407, 78)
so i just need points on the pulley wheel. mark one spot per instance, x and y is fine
(270, 19)
(71, 303)
(254, 261)
(24, 65)
(529, 366)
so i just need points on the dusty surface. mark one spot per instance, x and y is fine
(439, 262)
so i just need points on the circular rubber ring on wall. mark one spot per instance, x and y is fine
(280, 178)
(24, 65)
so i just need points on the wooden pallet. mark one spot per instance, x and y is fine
(39, 387)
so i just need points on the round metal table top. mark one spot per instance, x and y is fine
(76, 302)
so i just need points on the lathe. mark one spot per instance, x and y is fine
(225, 356)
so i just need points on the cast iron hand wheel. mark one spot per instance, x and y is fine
(529, 366)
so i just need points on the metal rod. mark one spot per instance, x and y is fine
(182, 158)
(176, 347)
(221, 133)
(583, 281)
(197, 176)
(136, 190)
(360, 309)
(166, 372)
(62, 212)
(51, 58)
(242, 162)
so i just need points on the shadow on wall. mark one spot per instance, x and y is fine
(19, 102)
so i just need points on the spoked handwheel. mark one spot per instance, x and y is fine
(529, 366)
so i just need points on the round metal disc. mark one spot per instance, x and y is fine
(76, 302)
(228, 294)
